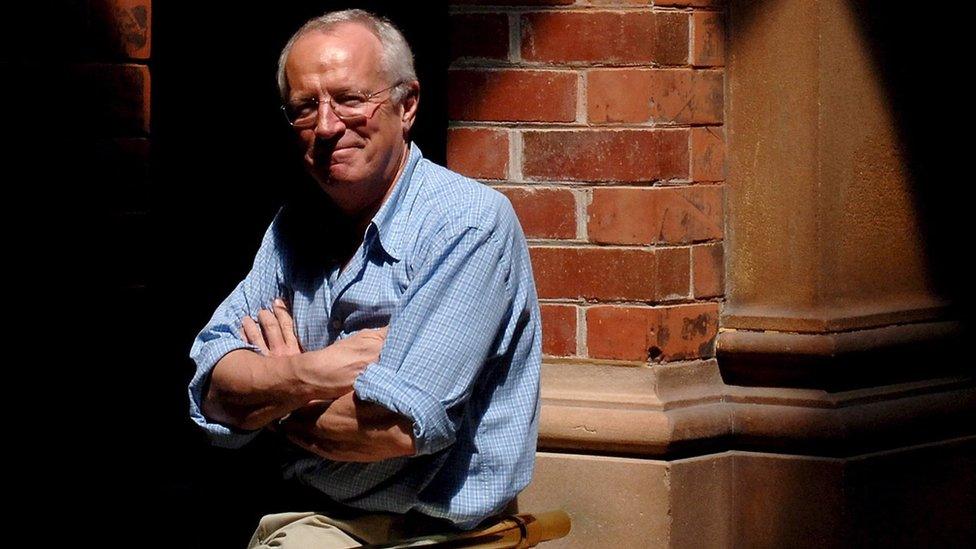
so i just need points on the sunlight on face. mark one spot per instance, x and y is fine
(351, 160)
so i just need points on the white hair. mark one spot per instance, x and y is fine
(396, 57)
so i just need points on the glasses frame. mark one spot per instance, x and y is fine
(332, 105)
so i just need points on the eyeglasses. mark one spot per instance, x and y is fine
(350, 107)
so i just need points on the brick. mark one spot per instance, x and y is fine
(558, 329)
(121, 28)
(688, 331)
(513, 2)
(673, 273)
(479, 36)
(605, 37)
(668, 215)
(623, 216)
(690, 3)
(117, 96)
(544, 212)
(670, 96)
(595, 273)
(476, 152)
(656, 334)
(708, 39)
(622, 333)
(512, 95)
(690, 214)
(708, 154)
(637, 156)
(617, 2)
(708, 270)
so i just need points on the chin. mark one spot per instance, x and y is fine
(339, 174)
(340, 184)
(329, 174)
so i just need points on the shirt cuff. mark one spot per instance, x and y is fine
(432, 428)
(224, 436)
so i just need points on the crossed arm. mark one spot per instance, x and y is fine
(459, 308)
(306, 395)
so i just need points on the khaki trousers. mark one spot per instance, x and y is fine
(310, 529)
(284, 530)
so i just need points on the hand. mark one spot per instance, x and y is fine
(333, 370)
(276, 334)
(329, 372)
(349, 429)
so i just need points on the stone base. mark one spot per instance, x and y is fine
(921, 496)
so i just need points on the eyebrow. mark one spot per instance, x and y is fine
(338, 90)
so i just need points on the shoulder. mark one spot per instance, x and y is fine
(451, 214)
(448, 201)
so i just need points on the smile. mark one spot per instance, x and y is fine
(344, 151)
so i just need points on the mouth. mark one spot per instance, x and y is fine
(340, 153)
(346, 148)
(319, 155)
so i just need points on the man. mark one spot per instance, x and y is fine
(397, 336)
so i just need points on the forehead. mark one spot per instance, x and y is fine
(347, 55)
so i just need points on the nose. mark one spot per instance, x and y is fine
(327, 124)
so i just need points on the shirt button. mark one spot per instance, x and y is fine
(337, 324)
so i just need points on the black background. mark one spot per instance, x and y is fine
(114, 285)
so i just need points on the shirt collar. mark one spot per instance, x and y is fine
(386, 223)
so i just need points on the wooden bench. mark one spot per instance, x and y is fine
(509, 532)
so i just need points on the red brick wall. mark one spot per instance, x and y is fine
(114, 76)
(602, 121)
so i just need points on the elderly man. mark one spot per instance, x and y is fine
(389, 332)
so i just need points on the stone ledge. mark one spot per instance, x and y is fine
(686, 408)
(842, 360)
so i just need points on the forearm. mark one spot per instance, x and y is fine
(350, 429)
(248, 390)
(386, 434)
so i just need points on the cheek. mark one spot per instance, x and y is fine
(304, 140)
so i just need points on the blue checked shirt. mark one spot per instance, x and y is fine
(444, 263)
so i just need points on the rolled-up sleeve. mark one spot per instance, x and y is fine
(443, 333)
(221, 335)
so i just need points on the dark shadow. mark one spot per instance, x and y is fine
(915, 56)
(222, 164)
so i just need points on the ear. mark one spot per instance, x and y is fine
(409, 104)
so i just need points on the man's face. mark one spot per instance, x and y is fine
(352, 160)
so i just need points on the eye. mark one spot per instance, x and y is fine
(304, 108)
(351, 100)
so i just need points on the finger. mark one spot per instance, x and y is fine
(287, 324)
(271, 330)
(372, 334)
(253, 333)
